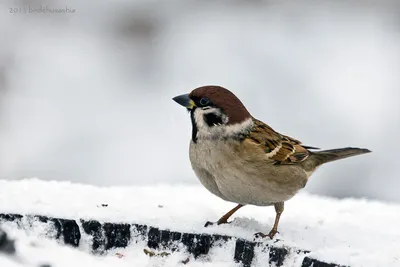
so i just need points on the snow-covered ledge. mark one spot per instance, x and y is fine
(111, 236)
(128, 219)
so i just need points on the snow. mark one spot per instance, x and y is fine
(353, 232)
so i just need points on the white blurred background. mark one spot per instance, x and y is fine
(85, 95)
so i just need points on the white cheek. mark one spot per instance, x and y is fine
(220, 130)
(199, 119)
(203, 130)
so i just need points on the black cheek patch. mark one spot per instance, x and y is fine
(211, 119)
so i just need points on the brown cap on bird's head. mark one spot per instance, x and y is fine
(224, 99)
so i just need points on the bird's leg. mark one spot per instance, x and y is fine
(279, 207)
(224, 219)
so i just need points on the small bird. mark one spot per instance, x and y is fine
(243, 160)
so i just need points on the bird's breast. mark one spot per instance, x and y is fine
(243, 176)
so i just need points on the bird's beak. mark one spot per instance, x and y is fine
(185, 101)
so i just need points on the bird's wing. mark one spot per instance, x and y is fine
(283, 149)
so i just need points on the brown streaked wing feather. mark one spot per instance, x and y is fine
(281, 148)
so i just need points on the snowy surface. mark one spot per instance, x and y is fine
(352, 231)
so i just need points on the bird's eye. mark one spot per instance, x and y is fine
(204, 101)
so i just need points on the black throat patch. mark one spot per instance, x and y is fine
(194, 126)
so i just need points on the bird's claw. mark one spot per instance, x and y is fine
(271, 234)
(209, 224)
(220, 221)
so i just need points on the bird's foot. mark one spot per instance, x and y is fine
(208, 223)
(271, 234)
(220, 221)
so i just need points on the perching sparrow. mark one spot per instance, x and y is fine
(241, 159)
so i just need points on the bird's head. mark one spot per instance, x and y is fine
(215, 112)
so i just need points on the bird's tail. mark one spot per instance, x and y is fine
(324, 156)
